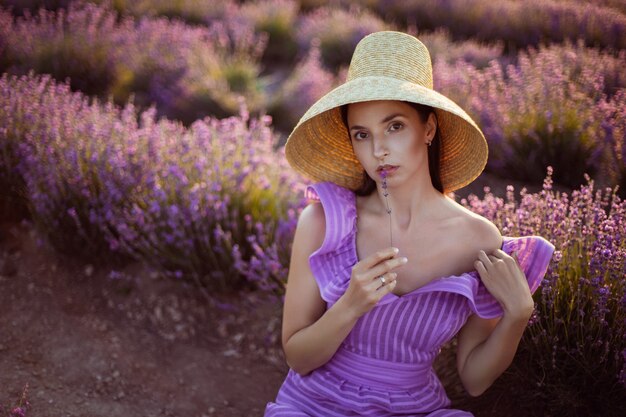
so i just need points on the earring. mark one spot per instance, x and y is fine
(430, 142)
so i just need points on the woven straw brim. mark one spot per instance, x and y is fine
(319, 147)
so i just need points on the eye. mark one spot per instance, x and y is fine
(360, 135)
(395, 126)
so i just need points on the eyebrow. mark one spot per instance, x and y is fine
(385, 120)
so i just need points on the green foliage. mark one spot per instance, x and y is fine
(561, 140)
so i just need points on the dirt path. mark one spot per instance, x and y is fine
(89, 345)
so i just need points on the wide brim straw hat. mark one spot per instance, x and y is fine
(385, 65)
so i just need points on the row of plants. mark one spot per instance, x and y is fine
(560, 105)
(518, 24)
(215, 205)
(111, 184)
(186, 71)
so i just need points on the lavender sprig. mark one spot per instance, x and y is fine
(386, 194)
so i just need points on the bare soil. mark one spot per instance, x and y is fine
(90, 345)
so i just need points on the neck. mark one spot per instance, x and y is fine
(410, 203)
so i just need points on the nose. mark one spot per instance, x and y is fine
(380, 150)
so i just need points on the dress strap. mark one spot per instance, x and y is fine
(331, 263)
(339, 210)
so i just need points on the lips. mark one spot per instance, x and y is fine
(387, 169)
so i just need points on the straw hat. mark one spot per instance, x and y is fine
(385, 65)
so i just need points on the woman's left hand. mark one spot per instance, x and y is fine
(505, 280)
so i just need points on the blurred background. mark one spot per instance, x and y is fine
(143, 141)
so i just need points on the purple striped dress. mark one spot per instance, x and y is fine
(384, 366)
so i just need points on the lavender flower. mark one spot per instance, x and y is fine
(578, 331)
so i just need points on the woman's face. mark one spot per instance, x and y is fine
(389, 137)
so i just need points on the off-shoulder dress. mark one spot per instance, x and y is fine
(384, 366)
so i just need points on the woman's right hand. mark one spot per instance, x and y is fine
(366, 287)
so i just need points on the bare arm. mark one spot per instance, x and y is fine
(486, 347)
(311, 334)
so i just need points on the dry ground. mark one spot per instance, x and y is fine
(136, 346)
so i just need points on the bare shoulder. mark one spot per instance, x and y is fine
(475, 231)
(482, 234)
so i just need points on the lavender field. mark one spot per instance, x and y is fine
(153, 132)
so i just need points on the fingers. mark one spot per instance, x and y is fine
(486, 262)
(387, 266)
(480, 267)
(377, 283)
(484, 258)
(379, 289)
(387, 288)
(510, 260)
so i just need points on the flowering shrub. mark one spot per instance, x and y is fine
(67, 44)
(191, 11)
(573, 354)
(615, 4)
(578, 58)
(217, 200)
(338, 30)
(66, 152)
(278, 19)
(218, 74)
(187, 72)
(307, 83)
(441, 47)
(517, 24)
(101, 181)
(21, 7)
(546, 110)
(614, 128)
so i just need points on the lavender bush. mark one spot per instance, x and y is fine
(216, 199)
(219, 73)
(205, 203)
(572, 358)
(276, 18)
(305, 85)
(615, 4)
(441, 47)
(546, 110)
(67, 44)
(338, 30)
(65, 151)
(517, 24)
(188, 72)
(21, 7)
(191, 11)
(578, 58)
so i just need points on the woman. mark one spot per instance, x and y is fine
(385, 267)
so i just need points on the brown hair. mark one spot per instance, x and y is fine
(434, 151)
